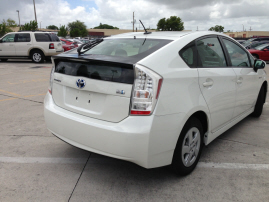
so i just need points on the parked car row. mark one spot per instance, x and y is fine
(258, 47)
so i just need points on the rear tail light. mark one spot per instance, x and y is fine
(51, 77)
(51, 46)
(146, 91)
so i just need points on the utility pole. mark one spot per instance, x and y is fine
(40, 24)
(243, 27)
(250, 28)
(34, 10)
(19, 18)
(197, 28)
(133, 21)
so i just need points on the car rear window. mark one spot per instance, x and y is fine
(42, 37)
(121, 73)
(127, 48)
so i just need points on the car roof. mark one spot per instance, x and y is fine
(170, 35)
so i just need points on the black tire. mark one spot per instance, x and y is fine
(4, 60)
(37, 56)
(259, 104)
(178, 164)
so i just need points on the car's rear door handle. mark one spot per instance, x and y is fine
(10, 44)
(208, 83)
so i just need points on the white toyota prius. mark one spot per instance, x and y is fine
(154, 99)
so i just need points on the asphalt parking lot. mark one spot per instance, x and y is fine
(36, 166)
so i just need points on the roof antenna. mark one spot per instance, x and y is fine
(146, 32)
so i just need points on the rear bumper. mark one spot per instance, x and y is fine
(148, 141)
(52, 52)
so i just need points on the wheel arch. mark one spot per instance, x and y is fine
(202, 116)
(33, 49)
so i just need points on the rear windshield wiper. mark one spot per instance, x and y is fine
(87, 46)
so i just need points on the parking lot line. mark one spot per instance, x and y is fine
(8, 99)
(42, 160)
(19, 96)
(233, 166)
(9, 92)
(34, 95)
(28, 160)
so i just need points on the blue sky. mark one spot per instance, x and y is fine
(84, 3)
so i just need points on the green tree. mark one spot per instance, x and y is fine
(6, 25)
(53, 27)
(161, 24)
(77, 29)
(217, 28)
(173, 23)
(10, 23)
(105, 26)
(32, 26)
(63, 31)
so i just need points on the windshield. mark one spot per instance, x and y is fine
(261, 46)
(127, 47)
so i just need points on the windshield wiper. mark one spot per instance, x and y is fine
(87, 46)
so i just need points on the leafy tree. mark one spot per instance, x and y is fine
(32, 26)
(173, 23)
(75, 32)
(77, 28)
(161, 24)
(63, 31)
(53, 27)
(5, 26)
(10, 23)
(217, 28)
(105, 26)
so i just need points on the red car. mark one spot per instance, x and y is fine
(260, 52)
(66, 41)
(67, 47)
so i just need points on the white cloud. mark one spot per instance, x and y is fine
(203, 13)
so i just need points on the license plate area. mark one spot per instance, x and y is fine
(86, 101)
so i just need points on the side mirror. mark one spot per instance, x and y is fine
(259, 64)
(0, 40)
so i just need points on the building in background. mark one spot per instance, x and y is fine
(247, 34)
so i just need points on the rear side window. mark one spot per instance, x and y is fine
(188, 54)
(42, 37)
(239, 57)
(54, 38)
(210, 53)
(23, 37)
(120, 73)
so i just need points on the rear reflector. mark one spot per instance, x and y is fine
(140, 112)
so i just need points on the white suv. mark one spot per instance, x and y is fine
(30, 44)
(153, 99)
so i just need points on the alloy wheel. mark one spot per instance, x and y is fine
(190, 146)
